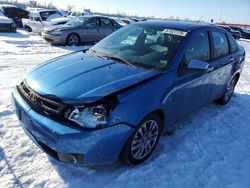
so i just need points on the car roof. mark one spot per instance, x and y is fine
(224, 26)
(6, 5)
(187, 26)
(42, 10)
(98, 16)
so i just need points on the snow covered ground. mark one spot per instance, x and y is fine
(211, 148)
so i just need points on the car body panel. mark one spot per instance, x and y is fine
(79, 68)
(6, 24)
(65, 139)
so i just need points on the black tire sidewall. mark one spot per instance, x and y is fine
(223, 100)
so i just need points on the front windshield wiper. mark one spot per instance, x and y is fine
(115, 58)
(121, 60)
(98, 54)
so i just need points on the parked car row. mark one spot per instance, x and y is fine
(237, 32)
(244, 32)
(56, 28)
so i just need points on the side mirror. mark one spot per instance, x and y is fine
(198, 65)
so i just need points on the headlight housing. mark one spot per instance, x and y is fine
(92, 115)
(89, 117)
(56, 32)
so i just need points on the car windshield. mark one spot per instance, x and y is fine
(76, 22)
(47, 15)
(151, 47)
(227, 28)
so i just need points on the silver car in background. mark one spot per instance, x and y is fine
(81, 30)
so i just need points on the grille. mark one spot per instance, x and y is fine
(40, 104)
(4, 25)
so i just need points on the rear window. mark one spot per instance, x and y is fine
(221, 46)
(106, 22)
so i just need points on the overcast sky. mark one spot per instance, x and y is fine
(234, 11)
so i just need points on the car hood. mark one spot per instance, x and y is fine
(79, 77)
(61, 19)
(61, 27)
(4, 19)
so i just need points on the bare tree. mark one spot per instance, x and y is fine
(70, 8)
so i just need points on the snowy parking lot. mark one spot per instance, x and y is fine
(210, 148)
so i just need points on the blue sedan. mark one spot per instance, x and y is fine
(114, 100)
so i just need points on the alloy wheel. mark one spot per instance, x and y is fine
(73, 40)
(145, 139)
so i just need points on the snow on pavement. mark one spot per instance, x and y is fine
(208, 149)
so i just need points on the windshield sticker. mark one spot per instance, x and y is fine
(175, 32)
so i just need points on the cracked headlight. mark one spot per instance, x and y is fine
(89, 117)
(56, 32)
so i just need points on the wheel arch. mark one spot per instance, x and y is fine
(237, 76)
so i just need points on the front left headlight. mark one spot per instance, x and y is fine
(56, 32)
(89, 117)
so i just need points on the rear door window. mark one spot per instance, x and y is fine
(233, 44)
(92, 23)
(106, 22)
(221, 46)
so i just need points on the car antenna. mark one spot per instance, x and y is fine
(200, 19)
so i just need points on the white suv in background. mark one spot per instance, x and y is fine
(41, 18)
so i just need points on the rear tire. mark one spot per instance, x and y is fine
(229, 92)
(73, 40)
(142, 142)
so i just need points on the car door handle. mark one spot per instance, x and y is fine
(210, 69)
(232, 59)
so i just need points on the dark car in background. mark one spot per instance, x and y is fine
(15, 13)
(6, 24)
(236, 34)
(81, 29)
(244, 32)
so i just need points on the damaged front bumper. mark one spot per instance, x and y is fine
(71, 144)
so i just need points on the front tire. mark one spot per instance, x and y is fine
(73, 40)
(229, 92)
(27, 28)
(141, 144)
